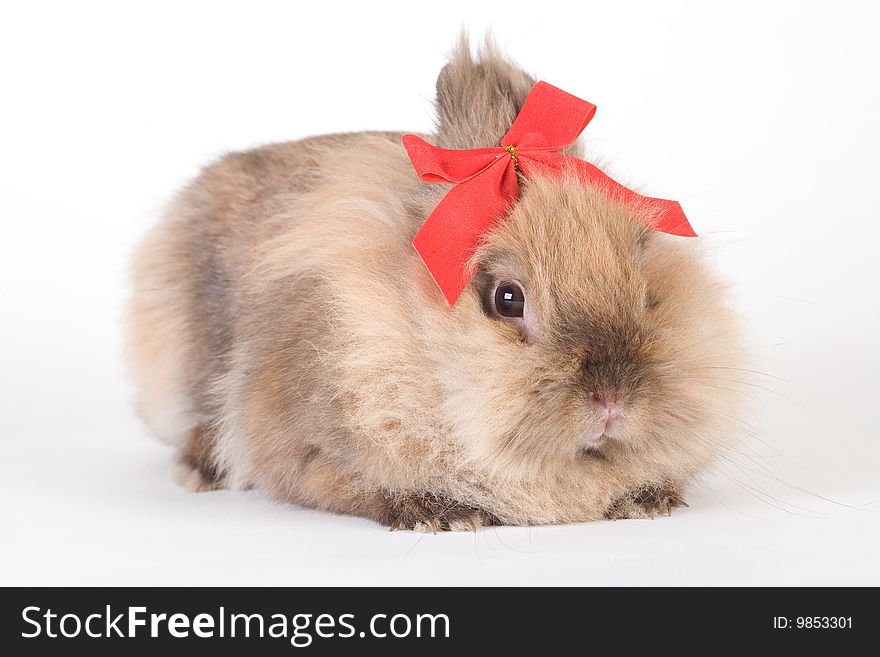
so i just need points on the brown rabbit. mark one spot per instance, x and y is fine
(285, 335)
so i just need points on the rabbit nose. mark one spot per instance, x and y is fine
(607, 402)
(609, 410)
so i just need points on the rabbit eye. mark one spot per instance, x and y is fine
(510, 300)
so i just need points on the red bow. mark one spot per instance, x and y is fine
(486, 185)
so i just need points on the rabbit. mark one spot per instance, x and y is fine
(284, 335)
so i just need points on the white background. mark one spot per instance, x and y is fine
(760, 117)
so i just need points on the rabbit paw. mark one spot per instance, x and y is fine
(646, 502)
(194, 479)
(430, 514)
(196, 470)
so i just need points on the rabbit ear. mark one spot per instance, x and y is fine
(478, 98)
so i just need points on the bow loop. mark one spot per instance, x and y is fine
(556, 116)
(445, 165)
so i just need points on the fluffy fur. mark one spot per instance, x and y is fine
(285, 335)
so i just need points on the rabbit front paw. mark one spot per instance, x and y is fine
(430, 514)
(648, 501)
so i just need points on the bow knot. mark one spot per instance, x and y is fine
(512, 151)
(486, 185)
